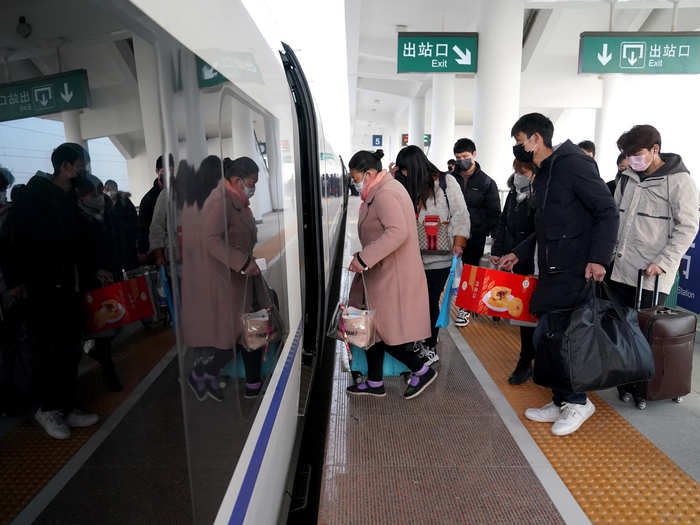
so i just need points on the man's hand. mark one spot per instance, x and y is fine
(355, 265)
(597, 271)
(653, 270)
(507, 262)
(494, 259)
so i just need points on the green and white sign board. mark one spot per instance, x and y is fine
(437, 52)
(207, 76)
(640, 53)
(44, 95)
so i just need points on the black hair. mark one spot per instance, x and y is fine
(17, 191)
(420, 173)
(535, 123)
(184, 179)
(159, 162)
(69, 152)
(463, 145)
(638, 138)
(366, 160)
(87, 183)
(588, 146)
(451, 161)
(203, 183)
(6, 179)
(620, 158)
(242, 168)
(111, 182)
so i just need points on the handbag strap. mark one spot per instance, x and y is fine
(364, 287)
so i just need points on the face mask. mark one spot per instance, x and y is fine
(94, 204)
(359, 186)
(112, 194)
(521, 181)
(639, 163)
(521, 154)
(249, 192)
(463, 165)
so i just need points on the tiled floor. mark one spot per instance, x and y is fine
(442, 458)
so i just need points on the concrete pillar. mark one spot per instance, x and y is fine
(416, 121)
(71, 127)
(607, 126)
(195, 138)
(149, 101)
(498, 85)
(442, 119)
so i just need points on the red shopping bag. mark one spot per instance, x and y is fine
(495, 293)
(118, 304)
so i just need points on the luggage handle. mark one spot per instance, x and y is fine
(640, 290)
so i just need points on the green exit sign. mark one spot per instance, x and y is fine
(207, 76)
(640, 53)
(44, 95)
(437, 52)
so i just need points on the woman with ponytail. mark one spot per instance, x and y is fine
(393, 271)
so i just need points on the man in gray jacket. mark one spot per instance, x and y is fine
(658, 203)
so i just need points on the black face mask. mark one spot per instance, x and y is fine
(520, 154)
(463, 165)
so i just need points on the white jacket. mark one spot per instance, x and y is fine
(457, 214)
(658, 222)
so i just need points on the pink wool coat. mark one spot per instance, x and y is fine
(212, 285)
(396, 283)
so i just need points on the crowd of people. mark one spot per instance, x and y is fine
(560, 222)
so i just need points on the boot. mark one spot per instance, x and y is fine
(522, 372)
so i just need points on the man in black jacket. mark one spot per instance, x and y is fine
(576, 222)
(45, 231)
(481, 195)
(148, 204)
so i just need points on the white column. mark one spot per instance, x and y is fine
(71, 127)
(195, 139)
(442, 119)
(498, 86)
(416, 121)
(606, 132)
(149, 101)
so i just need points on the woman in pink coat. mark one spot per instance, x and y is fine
(391, 263)
(218, 237)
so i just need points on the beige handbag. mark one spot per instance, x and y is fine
(262, 326)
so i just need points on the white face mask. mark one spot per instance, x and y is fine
(359, 186)
(249, 192)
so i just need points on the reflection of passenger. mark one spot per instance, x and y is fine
(218, 237)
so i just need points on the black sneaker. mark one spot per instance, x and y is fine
(521, 374)
(414, 390)
(252, 391)
(363, 389)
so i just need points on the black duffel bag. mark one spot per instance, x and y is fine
(595, 346)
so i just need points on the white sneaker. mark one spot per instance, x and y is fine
(52, 422)
(463, 318)
(79, 419)
(572, 417)
(547, 414)
(428, 355)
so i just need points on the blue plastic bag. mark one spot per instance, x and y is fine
(443, 320)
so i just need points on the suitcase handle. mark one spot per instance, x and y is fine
(640, 289)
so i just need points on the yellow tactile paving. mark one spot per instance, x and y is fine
(29, 458)
(615, 473)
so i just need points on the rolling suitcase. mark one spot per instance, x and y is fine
(671, 335)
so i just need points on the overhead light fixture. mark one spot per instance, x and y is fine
(23, 28)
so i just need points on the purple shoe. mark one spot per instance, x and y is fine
(198, 385)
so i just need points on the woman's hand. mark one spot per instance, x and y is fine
(458, 251)
(653, 270)
(355, 265)
(393, 168)
(252, 269)
(494, 259)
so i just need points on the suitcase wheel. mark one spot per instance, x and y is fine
(677, 399)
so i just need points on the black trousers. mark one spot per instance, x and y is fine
(527, 343)
(474, 250)
(403, 353)
(211, 360)
(627, 295)
(55, 326)
(436, 282)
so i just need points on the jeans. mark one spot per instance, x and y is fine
(436, 282)
(403, 353)
(527, 344)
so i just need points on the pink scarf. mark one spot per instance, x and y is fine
(234, 190)
(371, 183)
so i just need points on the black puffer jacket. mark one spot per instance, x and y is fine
(481, 195)
(576, 222)
(146, 208)
(516, 223)
(124, 224)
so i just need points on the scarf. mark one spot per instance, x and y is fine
(233, 190)
(371, 183)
